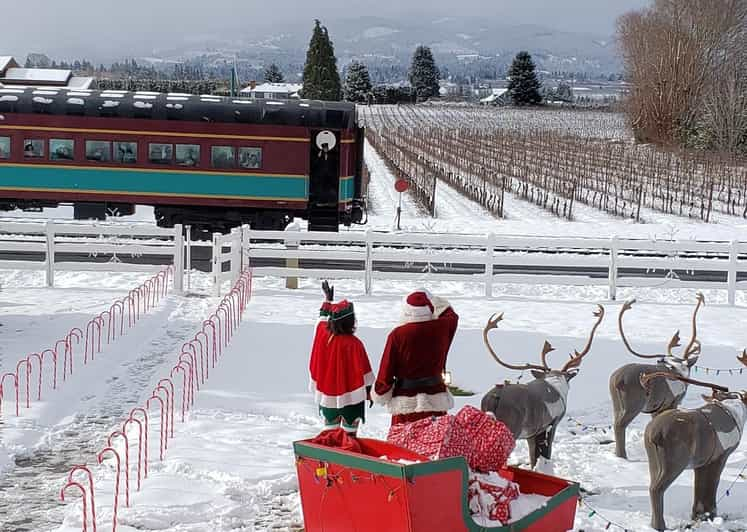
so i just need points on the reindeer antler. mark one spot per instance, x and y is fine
(547, 349)
(694, 346)
(743, 357)
(577, 357)
(646, 380)
(674, 342)
(493, 324)
(626, 307)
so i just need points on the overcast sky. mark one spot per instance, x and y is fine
(133, 26)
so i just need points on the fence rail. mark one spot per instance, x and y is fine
(490, 259)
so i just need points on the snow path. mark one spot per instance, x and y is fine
(73, 422)
(231, 466)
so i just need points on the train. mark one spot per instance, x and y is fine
(206, 161)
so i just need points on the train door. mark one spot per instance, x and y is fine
(324, 181)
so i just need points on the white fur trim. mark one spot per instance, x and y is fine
(382, 400)
(339, 401)
(439, 305)
(412, 314)
(369, 379)
(422, 402)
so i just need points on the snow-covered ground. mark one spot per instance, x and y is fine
(230, 467)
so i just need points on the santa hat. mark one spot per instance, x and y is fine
(417, 307)
(341, 310)
(325, 309)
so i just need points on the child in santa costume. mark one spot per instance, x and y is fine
(340, 370)
(410, 380)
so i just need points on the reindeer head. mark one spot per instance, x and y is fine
(569, 370)
(689, 355)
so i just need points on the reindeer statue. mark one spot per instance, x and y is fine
(628, 396)
(532, 411)
(701, 439)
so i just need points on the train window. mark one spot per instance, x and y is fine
(187, 154)
(125, 152)
(4, 147)
(99, 150)
(61, 149)
(223, 157)
(33, 148)
(160, 153)
(250, 157)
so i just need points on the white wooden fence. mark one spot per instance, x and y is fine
(490, 259)
(52, 239)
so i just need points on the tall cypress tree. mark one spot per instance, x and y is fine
(273, 74)
(424, 74)
(523, 86)
(321, 80)
(357, 83)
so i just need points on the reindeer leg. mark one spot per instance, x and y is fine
(533, 454)
(664, 468)
(625, 410)
(544, 442)
(706, 485)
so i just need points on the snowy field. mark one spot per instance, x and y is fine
(230, 467)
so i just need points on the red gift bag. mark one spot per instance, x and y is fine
(436, 438)
(490, 499)
(491, 443)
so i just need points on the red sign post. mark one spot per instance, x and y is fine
(401, 185)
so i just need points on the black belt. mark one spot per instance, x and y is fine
(424, 382)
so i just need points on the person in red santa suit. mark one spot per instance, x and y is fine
(340, 370)
(410, 379)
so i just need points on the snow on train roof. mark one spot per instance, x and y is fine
(180, 106)
(37, 75)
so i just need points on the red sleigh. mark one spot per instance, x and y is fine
(343, 491)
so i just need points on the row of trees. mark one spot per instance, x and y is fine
(686, 61)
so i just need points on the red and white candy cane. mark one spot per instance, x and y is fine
(53, 353)
(89, 475)
(83, 494)
(139, 446)
(217, 348)
(100, 457)
(2, 388)
(117, 306)
(168, 399)
(38, 357)
(191, 350)
(162, 414)
(184, 385)
(127, 461)
(25, 362)
(170, 384)
(144, 412)
(194, 381)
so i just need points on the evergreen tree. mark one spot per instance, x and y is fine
(358, 83)
(523, 85)
(321, 80)
(424, 74)
(564, 93)
(273, 74)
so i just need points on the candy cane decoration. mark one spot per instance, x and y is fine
(171, 389)
(108, 322)
(117, 305)
(160, 402)
(217, 349)
(192, 375)
(38, 357)
(144, 412)
(91, 328)
(116, 482)
(127, 462)
(15, 383)
(204, 357)
(88, 473)
(25, 362)
(139, 445)
(184, 385)
(206, 345)
(199, 365)
(83, 493)
(170, 398)
(53, 352)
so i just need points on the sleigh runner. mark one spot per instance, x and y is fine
(386, 487)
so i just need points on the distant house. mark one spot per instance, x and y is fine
(497, 97)
(273, 91)
(12, 75)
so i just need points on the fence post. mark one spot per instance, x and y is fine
(489, 261)
(50, 253)
(731, 283)
(291, 243)
(217, 265)
(368, 274)
(188, 246)
(178, 258)
(235, 254)
(245, 241)
(614, 247)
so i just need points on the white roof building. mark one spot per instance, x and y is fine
(273, 91)
(12, 74)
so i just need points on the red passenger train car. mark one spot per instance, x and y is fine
(207, 161)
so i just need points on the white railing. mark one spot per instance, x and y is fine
(52, 239)
(490, 259)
